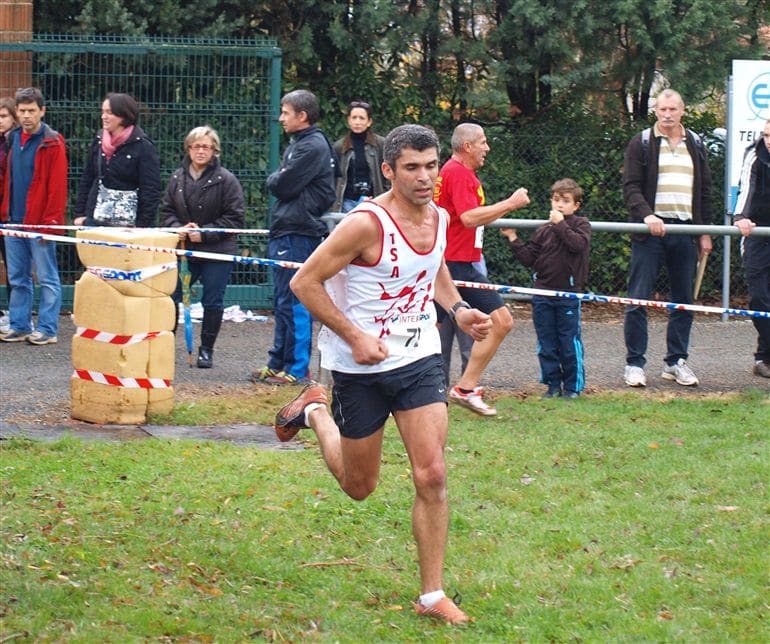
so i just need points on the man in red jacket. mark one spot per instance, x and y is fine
(34, 192)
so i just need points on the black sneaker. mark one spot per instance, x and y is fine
(205, 358)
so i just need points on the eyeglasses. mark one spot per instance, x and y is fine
(362, 104)
(201, 146)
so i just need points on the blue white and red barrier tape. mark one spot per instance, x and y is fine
(239, 259)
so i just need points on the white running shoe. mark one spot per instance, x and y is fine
(634, 376)
(680, 373)
(472, 401)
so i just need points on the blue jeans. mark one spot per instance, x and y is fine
(214, 277)
(679, 254)
(349, 204)
(559, 346)
(292, 340)
(22, 254)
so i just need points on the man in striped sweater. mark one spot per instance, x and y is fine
(666, 180)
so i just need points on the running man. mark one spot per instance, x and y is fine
(383, 266)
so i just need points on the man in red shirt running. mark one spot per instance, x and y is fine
(460, 192)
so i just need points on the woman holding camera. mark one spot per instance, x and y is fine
(360, 156)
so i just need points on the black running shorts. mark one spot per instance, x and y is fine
(361, 402)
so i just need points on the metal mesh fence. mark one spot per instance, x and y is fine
(234, 85)
(535, 155)
(180, 83)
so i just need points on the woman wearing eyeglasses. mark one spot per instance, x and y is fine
(123, 168)
(360, 156)
(203, 194)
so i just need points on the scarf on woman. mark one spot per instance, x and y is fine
(111, 143)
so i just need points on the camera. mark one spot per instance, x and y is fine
(362, 189)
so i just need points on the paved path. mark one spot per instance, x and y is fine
(34, 381)
(245, 435)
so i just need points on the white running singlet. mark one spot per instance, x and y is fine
(391, 300)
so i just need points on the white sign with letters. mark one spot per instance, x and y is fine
(749, 108)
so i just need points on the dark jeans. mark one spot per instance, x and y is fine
(214, 277)
(756, 261)
(293, 322)
(679, 254)
(559, 346)
(447, 332)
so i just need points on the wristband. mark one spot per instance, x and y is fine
(461, 304)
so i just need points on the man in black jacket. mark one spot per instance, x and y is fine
(666, 179)
(304, 190)
(752, 210)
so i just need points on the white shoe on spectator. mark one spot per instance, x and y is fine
(680, 373)
(634, 376)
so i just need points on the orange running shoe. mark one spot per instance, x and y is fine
(291, 418)
(444, 609)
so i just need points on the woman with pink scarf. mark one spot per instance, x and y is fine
(120, 158)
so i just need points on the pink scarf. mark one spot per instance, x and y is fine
(111, 143)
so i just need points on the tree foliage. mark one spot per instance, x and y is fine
(455, 59)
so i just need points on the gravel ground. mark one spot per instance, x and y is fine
(34, 381)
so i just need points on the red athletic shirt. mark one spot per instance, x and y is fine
(459, 190)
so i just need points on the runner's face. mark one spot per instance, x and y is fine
(414, 175)
(477, 150)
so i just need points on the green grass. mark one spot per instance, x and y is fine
(614, 517)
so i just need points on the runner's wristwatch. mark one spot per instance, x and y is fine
(461, 304)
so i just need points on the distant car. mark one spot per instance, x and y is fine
(715, 140)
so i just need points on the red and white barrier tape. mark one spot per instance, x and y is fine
(117, 381)
(112, 338)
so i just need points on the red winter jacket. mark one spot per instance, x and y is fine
(47, 196)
